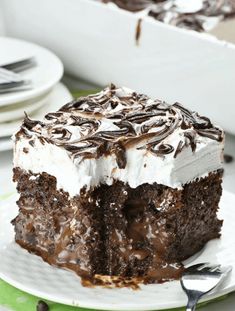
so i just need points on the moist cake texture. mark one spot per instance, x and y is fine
(117, 184)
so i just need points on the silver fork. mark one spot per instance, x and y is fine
(11, 81)
(20, 65)
(9, 76)
(200, 279)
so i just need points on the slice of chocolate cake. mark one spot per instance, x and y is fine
(118, 184)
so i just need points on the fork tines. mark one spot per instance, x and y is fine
(11, 81)
(20, 65)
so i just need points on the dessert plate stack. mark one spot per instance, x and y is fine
(44, 95)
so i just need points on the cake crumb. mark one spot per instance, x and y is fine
(228, 158)
(42, 306)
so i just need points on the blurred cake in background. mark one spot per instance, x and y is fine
(215, 16)
(225, 30)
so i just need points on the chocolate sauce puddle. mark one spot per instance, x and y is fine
(161, 275)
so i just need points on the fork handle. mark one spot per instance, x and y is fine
(192, 303)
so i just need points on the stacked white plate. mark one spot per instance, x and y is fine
(46, 93)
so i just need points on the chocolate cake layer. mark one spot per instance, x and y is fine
(117, 230)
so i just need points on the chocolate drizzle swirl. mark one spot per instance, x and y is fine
(62, 133)
(30, 124)
(212, 133)
(116, 119)
(162, 149)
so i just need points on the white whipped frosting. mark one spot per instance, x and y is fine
(142, 166)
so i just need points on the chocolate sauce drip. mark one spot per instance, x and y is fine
(138, 31)
(179, 148)
(116, 119)
(120, 154)
(189, 139)
(191, 136)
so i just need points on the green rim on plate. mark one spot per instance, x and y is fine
(18, 300)
(77, 94)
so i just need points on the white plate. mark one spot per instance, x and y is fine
(6, 144)
(16, 111)
(59, 96)
(44, 75)
(29, 273)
